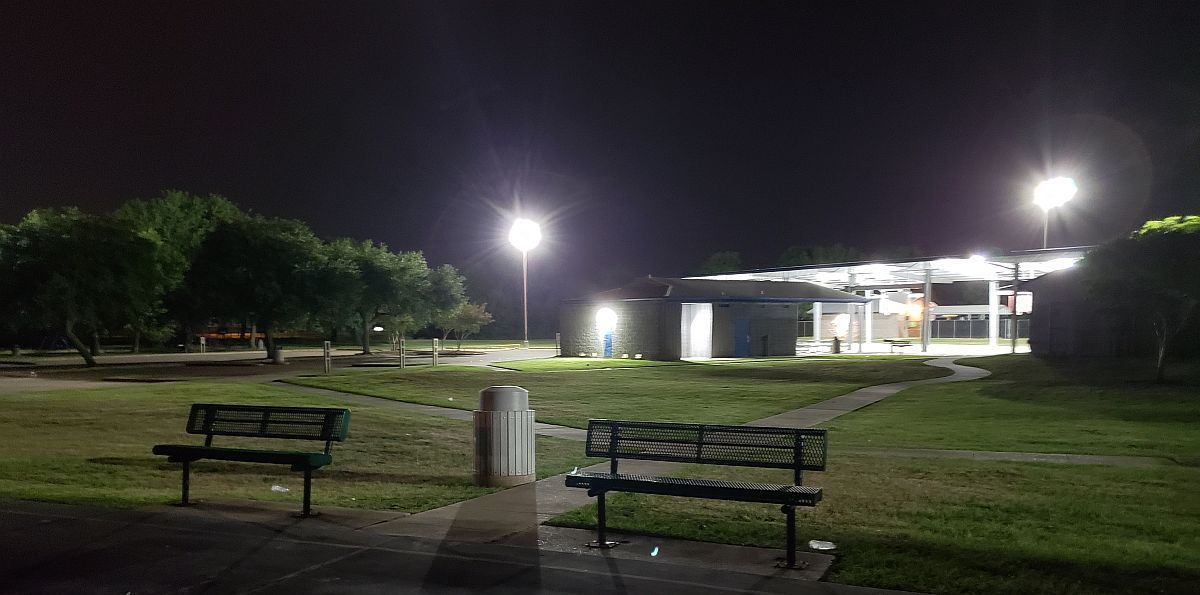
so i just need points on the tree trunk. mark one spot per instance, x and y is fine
(96, 343)
(333, 332)
(242, 332)
(366, 335)
(253, 334)
(187, 338)
(1160, 370)
(137, 340)
(88, 358)
(445, 335)
(270, 342)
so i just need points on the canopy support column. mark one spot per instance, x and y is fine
(868, 321)
(993, 313)
(816, 315)
(926, 312)
(1013, 318)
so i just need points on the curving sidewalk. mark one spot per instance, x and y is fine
(806, 417)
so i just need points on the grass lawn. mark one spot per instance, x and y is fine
(552, 364)
(951, 526)
(696, 392)
(94, 446)
(1033, 405)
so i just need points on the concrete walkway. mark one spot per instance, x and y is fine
(230, 548)
(807, 417)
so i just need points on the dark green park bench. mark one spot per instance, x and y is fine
(798, 449)
(261, 421)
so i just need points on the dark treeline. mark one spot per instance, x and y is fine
(163, 269)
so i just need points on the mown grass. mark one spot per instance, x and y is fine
(1034, 405)
(954, 526)
(551, 364)
(686, 393)
(94, 446)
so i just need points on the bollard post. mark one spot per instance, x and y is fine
(203, 344)
(401, 352)
(435, 352)
(558, 343)
(328, 357)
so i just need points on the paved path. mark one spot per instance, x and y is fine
(807, 417)
(216, 548)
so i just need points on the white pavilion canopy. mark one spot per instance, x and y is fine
(1011, 268)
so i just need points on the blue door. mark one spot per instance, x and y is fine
(608, 344)
(741, 337)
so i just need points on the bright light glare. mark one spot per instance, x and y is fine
(1058, 264)
(606, 320)
(377, 328)
(1054, 192)
(525, 235)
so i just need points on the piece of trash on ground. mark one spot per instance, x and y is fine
(280, 489)
(654, 552)
(817, 544)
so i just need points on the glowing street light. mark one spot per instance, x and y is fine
(1051, 193)
(525, 236)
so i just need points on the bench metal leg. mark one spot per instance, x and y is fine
(601, 526)
(790, 560)
(307, 512)
(187, 472)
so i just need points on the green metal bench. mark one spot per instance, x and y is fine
(742, 446)
(893, 344)
(259, 421)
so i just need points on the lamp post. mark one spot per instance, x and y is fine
(525, 235)
(1051, 193)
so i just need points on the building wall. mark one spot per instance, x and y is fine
(642, 327)
(883, 326)
(652, 328)
(772, 328)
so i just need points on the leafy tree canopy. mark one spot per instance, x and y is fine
(720, 262)
(1154, 273)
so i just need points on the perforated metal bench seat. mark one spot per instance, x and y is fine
(794, 449)
(767, 493)
(323, 424)
(178, 453)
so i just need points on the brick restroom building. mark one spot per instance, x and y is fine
(668, 319)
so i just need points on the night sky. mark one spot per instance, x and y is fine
(645, 135)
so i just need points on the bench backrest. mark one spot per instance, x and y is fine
(266, 421)
(799, 449)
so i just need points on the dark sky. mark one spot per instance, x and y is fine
(645, 135)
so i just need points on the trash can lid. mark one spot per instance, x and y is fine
(503, 398)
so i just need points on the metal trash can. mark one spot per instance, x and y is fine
(504, 439)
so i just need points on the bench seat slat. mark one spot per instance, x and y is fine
(190, 452)
(699, 488)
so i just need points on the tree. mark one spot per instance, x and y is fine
(467, 319)
(67, 270)
(383, 285)
(258, 268)
(177, 224)
(720, 262)
(1155, 272)
(336, 284)
(447, 293)
(805, 255)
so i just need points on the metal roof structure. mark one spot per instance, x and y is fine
(712, 290)
(899, 273)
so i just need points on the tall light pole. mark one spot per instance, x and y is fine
(1051, 193)
(525, 235)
